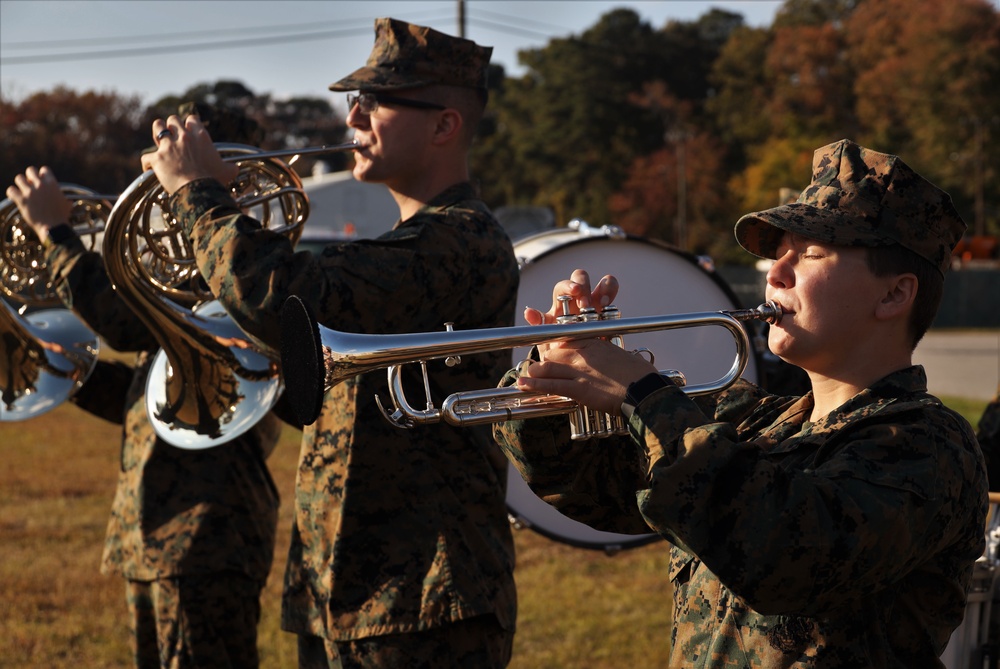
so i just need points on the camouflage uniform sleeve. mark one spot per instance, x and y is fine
(105, 391)
(812, 521)
(83, 286)
(404, 281)
(591, 481)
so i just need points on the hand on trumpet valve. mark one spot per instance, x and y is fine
(185, 153)
(577, 287)
(38, 196)
(570, 297)
(594, 372)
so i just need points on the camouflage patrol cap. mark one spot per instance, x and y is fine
(407, 55)
(224, 125)
(860, 197)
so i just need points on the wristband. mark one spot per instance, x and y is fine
(60, 233)
(639, 390)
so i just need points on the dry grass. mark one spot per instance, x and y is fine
(577, 607)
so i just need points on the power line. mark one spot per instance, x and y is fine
(513, 26)
(362, 27)
(175, 48)
(165, 36)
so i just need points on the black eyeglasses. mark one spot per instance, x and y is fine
(369, 102)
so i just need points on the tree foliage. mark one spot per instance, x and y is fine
(671, 132)
(95, 139)
(90, 139)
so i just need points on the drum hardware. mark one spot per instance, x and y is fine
(584, 229)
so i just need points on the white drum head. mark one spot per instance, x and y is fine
(654, 280)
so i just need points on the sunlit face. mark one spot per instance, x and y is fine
(394, 140)
(828, 296)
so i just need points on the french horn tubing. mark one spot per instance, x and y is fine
(210, 382)
(24, 276)
(46, 353)
(314, 358)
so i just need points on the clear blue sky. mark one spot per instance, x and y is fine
(297, 47)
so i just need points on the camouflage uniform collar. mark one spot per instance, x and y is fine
(464, 190)
(901, 385)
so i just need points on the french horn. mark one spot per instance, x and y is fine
(46, 353)
(210, 382)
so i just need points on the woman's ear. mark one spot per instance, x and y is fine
(901, 291)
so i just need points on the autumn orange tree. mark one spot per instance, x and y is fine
(90, 139)
(918, 78)
(932, 92)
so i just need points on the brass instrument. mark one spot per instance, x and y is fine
(210, 382)
(314, 358)
(45, 357)
(23, 274)
(46, 354)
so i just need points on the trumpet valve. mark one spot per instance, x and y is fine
(452, 360)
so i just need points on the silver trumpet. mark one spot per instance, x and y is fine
(315, 358)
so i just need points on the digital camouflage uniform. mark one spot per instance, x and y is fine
(842, 543)
(192, 532)
(396, 531)
(789, 547)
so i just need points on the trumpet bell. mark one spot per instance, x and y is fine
(45, 357)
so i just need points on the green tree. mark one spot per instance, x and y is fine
(742, 91)
(570, 129)
(813, 12)
(575, 123)
(294, 123)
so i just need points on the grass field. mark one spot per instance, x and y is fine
(577, 607)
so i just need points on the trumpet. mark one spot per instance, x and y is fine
(315, 358)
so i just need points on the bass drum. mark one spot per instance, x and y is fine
(654, 279)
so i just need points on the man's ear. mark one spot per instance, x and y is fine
(901, 291)
(448, 127)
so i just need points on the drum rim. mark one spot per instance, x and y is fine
(686, 255)
(608, 547)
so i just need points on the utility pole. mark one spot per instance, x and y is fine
(461, 18)
(979, 225)
(678, 136)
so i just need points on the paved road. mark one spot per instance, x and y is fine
(961, 364)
